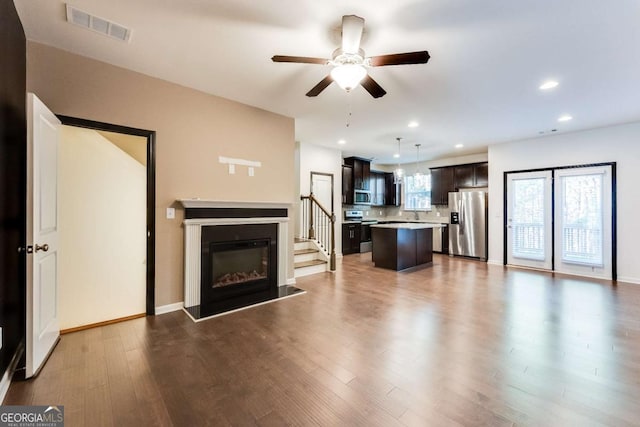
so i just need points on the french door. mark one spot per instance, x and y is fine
(583, 221)
(561, 220)
(529, 221)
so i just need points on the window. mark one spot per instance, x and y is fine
(417, 193)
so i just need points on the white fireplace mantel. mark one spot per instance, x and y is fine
(193, 239)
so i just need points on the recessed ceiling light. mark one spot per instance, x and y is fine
(413, 124)
(396, 155)
(459, 145)
(548, 85)
(342, 141)
(564, 118)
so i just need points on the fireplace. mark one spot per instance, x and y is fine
(238, 262)
(236, 256)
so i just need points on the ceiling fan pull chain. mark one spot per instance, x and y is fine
(349, 109)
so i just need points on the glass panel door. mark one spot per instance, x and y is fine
(529, 240)
(583, 221)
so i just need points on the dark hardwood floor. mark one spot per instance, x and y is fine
(461, 343)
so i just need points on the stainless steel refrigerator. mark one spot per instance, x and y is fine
(468, 224)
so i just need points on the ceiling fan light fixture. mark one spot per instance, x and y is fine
(348, 76)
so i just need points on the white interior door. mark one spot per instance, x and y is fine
(529, 219)
(583, 221)
(321, 187)
(42, 234)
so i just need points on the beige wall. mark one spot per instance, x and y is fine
(193, 129)
(104, 267)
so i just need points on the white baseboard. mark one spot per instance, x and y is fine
(495, 262)
(5, 382)
(291, 281)
(626, 279)
(169, 308)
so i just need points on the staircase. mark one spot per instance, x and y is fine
(314, 250)
(308, 258)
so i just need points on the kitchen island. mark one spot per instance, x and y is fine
(402, 245)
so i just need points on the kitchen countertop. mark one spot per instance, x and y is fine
(409, 225)
(437, 220)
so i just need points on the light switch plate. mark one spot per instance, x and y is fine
(171, 213)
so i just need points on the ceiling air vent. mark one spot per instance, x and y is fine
(99, 25)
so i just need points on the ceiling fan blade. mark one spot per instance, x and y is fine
(400, 59)
(320, 86)
(352, 27)
(372, 87)
(299, 59)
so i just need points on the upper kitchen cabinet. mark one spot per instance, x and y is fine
(347, 185)
(453, 178)
(392, 191)
(376, 184)
(442, 182)
(482, 175)
(361, 172)
(472, 176)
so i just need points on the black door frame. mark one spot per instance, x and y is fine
(614, 212)
(151, 194)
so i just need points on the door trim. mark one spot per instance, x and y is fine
(150, 135)
(614, 211)
(332, 184)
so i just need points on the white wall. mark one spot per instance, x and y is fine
(620, 144)
(102, 210)
(314, 158)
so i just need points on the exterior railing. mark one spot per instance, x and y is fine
(319, 224)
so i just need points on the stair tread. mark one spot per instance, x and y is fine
(309, 263)
(305, 251)
(300, 240)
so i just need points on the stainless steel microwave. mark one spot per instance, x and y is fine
(362, 197)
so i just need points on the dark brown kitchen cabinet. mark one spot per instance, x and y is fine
(376, 184)
(482, 175)
(472, 175)
(465, 176)
(361, 172)
(453, 178)
(392, 191)
(347, 185)
(350, 239)
(442, 182)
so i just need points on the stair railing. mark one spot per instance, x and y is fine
(319, 224)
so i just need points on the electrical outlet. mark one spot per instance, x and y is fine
(171, 213)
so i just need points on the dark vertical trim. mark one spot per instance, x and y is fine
(151, 194)
(505, 208)
(614, 223)
(151, 224)
(553, 220)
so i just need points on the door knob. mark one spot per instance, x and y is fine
(43, 248)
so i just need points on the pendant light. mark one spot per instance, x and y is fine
(398, 172)
(417, 176)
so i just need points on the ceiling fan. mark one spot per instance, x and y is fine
(349, 61)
